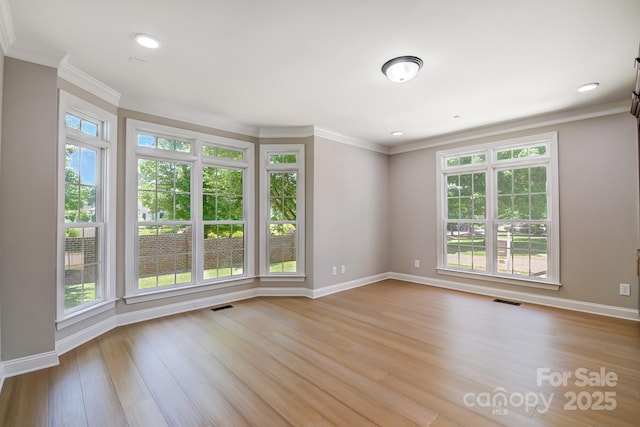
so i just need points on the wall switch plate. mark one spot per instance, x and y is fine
(343, 269)
(416, 263)
(625, 289)
(334, 270)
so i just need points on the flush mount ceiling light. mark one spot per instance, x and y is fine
(588, 86)
(145, 40)
(397, 133)
(402, 68)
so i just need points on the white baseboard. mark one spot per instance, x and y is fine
(332, 289)
(1, 375)
(567, 304)
(32, 363)
(284, 292)
(181, 307)
(76, 340)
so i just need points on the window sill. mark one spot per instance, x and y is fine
(186, 290)
(283, 278)
(530, 283)
(85, 314)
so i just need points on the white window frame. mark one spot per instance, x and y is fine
(106, 144)
(491, 166)
(266, 167)
(197, 161)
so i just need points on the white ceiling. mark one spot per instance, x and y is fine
(317, 62)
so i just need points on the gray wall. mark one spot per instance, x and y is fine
(351, 212)
(1, 278)
(598, 210)
(28, 208)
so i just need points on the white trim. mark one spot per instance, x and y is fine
(532, 122)
(84, 81)
(7, 35)
(337, 137)
(529, 283)
(85, 335)
(563, 303)
(286, 132)
(85, 314)
(23, 365)
(171, 110)
(284, 292)
(185, 290)
(1, 375)
(339, 287)
(36, 53)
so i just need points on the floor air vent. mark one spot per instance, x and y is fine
(503, 301)
(224, 307)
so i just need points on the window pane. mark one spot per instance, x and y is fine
(282, 248)
(466, 207)
(222, 153)
(539, 206)
(466, 248)
(453, 208)
(539, 150)
(479, 208)
(505, 207)
(164, 256)
(88, 165)
(465, 185)
(505, 182)
(521, 181)
(539, 179)
(522, 249)
(72, 121)
(521, 207)
(453, 183)
(223, 250)
(282, 200)
(503, 155)
(164, 190)
(146, 141)
(81, 266)
(89, 128)
(283, 158)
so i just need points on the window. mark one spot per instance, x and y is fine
(498, 210)
(282, 211)
(189, 209)
(86, 226)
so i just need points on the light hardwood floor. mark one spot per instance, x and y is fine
(388, 354)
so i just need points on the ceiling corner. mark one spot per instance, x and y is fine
(7, 32)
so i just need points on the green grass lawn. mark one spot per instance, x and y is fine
(74, 295)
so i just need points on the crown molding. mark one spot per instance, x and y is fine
(7, 32)
(337, 137)
(532, 122)
(186, 114)
(36, 53)
(286, 132)
(84, 81)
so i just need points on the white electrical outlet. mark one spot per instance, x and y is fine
(416, 263)
(625, 289)
(343, 269)
(334, 270)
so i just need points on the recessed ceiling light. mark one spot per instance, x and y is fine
(588, 86)
(147, 41)
(397, 133)
(402, 68)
